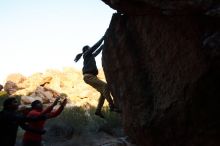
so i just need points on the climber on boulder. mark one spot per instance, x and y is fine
(90, 73)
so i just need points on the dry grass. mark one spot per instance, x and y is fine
(82, 120)
(76, 122)
(80, 127)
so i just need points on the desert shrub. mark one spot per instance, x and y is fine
(76, 120)
(71, 121)
(75, 123)
(3, 96)
(112, 120)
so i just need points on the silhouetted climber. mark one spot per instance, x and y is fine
(10, 119)
(90, 73)
(34, 139)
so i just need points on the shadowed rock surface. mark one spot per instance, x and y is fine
(162, 63)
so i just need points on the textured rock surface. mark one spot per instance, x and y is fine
(10, 87)
(163, 70)
(133, 7)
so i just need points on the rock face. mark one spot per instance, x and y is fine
(10, 87)
(162, 63)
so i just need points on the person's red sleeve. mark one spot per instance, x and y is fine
(47, 110)
(56, 112)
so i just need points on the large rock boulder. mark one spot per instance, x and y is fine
(161, 60)
(10, 87)
(44, 94)
(16, 78)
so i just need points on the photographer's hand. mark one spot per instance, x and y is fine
(56, 101)
(64, 102)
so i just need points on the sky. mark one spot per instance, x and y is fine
(36, 35)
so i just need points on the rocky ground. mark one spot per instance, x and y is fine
(90, 139)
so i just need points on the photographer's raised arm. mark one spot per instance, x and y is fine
(55, 113)
(50, 108)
